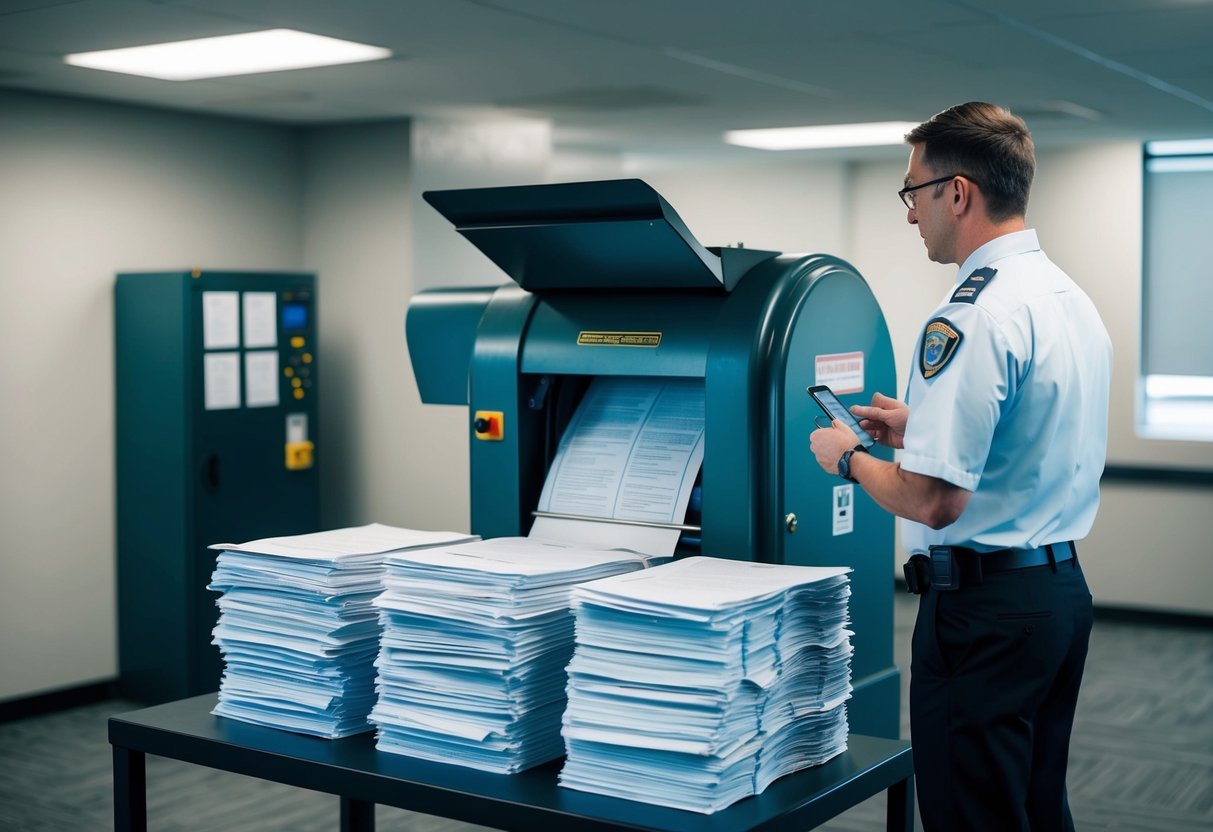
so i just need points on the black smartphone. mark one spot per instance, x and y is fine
(828, 402)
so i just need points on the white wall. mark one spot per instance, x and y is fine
(772, 207)
(90, 190)
(375, 440)
(450, 155)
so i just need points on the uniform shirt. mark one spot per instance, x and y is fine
(1017, 411)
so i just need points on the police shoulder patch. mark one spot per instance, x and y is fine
(939, 343)
(968, 291)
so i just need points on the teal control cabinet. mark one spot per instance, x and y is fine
(608, 281)
(216, 382)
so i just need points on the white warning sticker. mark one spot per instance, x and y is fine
(842, 372)
(844, 509)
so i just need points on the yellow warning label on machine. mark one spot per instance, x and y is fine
(619, 339)
(299, 455)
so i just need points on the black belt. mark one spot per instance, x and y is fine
(953, 567)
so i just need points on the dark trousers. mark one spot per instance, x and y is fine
(994, 679)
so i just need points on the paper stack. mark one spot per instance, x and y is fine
(297, 628)
(699, 682)
(476, 638)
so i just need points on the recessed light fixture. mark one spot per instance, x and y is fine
(827, 135)
(272, 50)
(1179, 164)
(1180, 147)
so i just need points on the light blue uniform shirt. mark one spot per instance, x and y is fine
(1018, 412)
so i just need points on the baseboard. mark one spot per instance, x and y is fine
(1147, 475)
(1157, 618)
(57, 700)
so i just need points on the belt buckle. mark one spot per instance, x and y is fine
(945, 569)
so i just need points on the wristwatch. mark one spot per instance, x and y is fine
(844, 462)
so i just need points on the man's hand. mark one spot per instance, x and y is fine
(918, 497)
(829, 444)
(885, 419)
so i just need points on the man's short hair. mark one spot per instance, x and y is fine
(987, 144)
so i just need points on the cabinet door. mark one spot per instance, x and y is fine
(245, 487)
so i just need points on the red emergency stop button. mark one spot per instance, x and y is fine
(489, 424)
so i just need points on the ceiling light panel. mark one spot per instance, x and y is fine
(869, 134)
(273, 50)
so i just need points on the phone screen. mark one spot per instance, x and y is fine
(825, 397)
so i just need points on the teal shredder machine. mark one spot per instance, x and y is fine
(608, 281)
(215, 395)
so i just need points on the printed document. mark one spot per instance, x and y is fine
(631, 452)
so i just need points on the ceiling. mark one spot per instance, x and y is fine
(664, 77)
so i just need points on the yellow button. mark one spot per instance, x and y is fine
(297, 341)
(288, 372)
(298, 393)
(307, 358)
(296, 382)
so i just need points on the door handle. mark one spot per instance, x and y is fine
(210, 473)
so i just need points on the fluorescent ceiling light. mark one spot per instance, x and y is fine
(829, 135)
(1180, 147)
(270, 51)
(1180, 164)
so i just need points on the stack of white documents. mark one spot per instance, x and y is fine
(697, 683)
(297, 628)
(476, 638)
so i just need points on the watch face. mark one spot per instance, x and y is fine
(844, 465)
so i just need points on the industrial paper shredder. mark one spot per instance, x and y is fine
(608, 281)
(215, 399)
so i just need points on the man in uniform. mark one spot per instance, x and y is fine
(1003, 436)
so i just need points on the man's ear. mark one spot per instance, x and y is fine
(962, 193)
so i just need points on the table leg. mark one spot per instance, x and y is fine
(900, 810)
(130, 791)
(357, 815)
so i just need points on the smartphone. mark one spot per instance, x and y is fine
(825, 397)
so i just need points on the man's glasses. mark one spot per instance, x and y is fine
(911, 199)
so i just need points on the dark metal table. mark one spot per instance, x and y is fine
(362, 776)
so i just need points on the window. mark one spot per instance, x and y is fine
(1176, 390)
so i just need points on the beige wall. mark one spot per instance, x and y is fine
(772, 207)
(92, 189)
(1152, 548)
(358, 239)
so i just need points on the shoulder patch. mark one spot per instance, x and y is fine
(968, 291)
(939, 343)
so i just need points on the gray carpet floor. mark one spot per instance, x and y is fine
(1141, 758)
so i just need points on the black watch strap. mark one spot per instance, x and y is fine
(844, 462)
